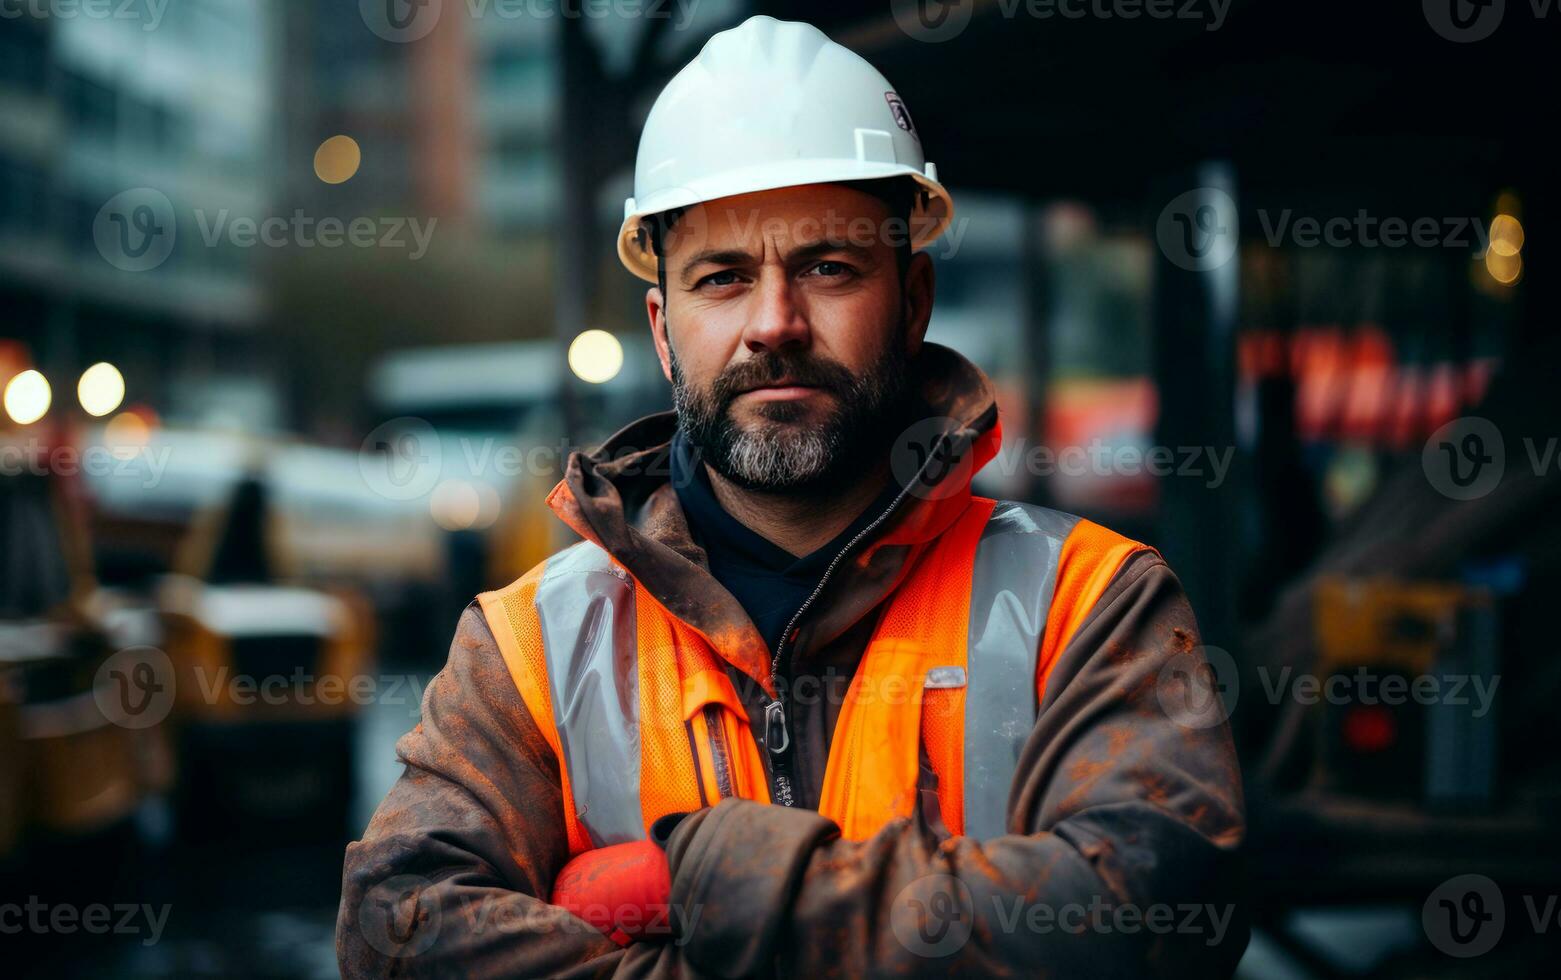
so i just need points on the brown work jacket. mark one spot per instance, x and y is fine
(1130, 810)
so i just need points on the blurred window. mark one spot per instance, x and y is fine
(81, 213)
(1101, 401)
(22, 56)
(520, 71)
(89, 104)
(521, 151)
(22, 189)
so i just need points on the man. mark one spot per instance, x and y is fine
(799, 703)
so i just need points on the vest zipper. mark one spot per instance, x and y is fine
(777, 734)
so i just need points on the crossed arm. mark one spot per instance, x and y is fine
(1127, 864)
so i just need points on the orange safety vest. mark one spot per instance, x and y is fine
(645, 721)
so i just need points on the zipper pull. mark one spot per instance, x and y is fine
(776, 738)
(783, 794)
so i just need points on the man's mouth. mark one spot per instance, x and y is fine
(780, 391)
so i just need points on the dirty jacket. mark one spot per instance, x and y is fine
(1124, 816)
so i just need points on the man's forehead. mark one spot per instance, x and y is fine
(800, 215)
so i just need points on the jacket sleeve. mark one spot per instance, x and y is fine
(1127, 864)
(452, 874)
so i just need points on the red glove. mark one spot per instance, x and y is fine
(622, 890)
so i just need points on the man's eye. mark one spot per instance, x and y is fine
(830, 270)
(726, 277)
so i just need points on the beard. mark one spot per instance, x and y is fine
(784, 450)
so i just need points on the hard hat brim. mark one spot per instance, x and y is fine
(931, 218)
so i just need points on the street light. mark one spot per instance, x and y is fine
(101, 389)
(596, 356)
(337, 159)
(27, 397)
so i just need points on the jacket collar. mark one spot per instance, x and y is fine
(620, 497)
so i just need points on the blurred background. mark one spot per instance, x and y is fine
(303, 304)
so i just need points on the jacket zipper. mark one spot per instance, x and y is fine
(777, 734)
(718, 751)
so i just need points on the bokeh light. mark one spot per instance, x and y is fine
(489, 506)
(101, 389)
(1506, 235)
(337, 159)
(455, 505)
(27, 397)
(596, 356)
(1505, 269)
(126, 434)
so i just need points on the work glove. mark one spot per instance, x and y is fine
(623, 890)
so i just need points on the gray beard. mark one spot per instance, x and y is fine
(778, 454)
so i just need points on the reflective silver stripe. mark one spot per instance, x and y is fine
(1010, 597)
(585, 605)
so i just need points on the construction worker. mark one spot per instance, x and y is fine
(799, 703)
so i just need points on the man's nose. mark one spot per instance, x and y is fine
(778, 321)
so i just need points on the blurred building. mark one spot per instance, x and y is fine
(92, 107)
(515, 76)
(403, 104)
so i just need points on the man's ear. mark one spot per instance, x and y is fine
(920, 284)
(656, 309)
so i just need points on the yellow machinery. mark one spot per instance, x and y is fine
(68, 769)
(269, 674)
(1406, 680)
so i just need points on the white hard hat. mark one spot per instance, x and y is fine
(771, 104)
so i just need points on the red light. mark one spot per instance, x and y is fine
(1369, 728)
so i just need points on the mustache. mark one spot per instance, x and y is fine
(769, 368)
